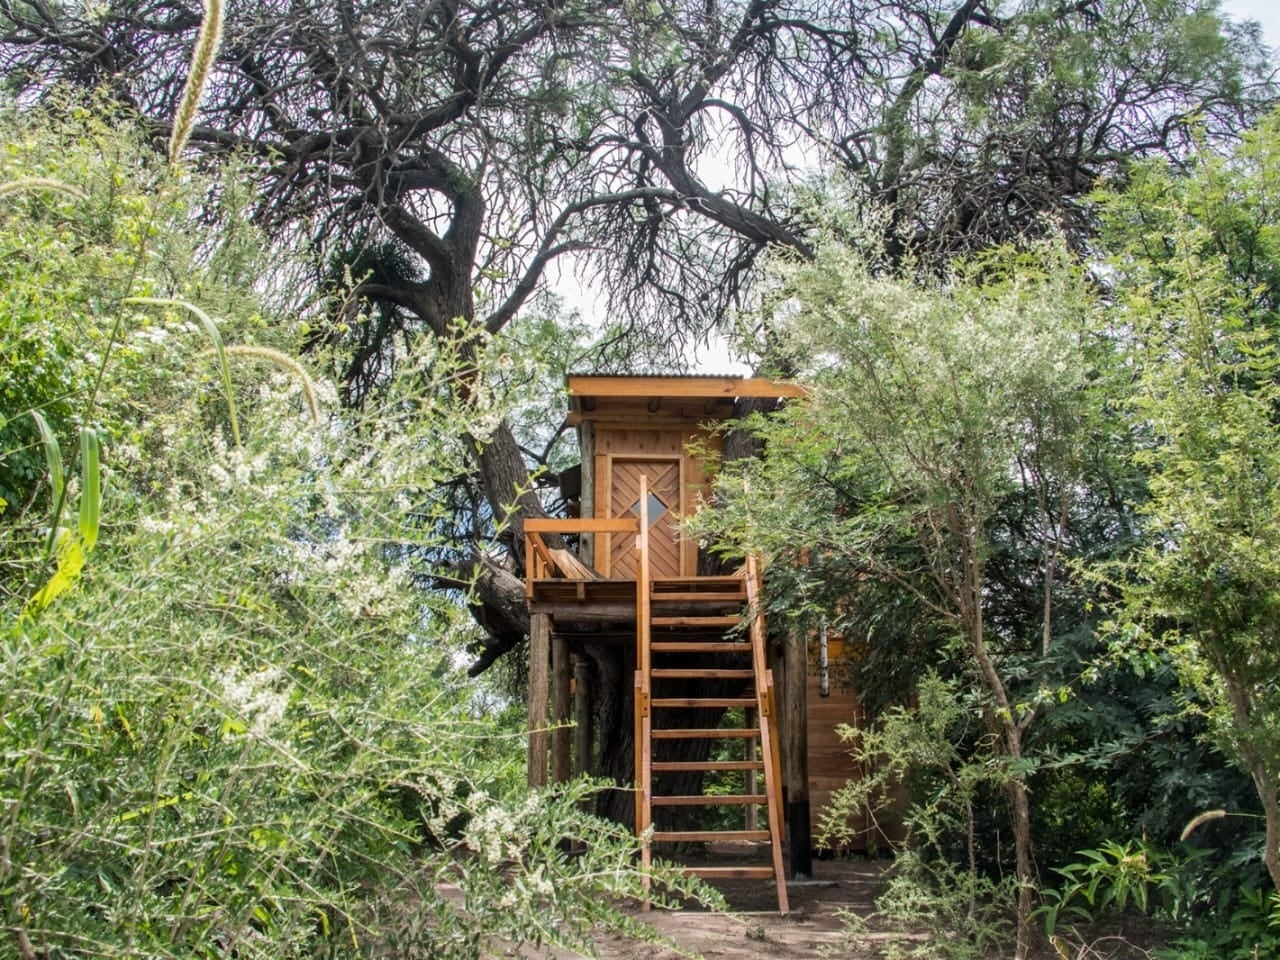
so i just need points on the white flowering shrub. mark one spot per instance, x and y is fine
(239, 731)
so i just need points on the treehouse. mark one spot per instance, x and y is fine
(729, 735)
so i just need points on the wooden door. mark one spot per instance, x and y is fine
(663, 475)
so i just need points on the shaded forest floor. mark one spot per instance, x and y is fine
(814, 929)
(754, 929)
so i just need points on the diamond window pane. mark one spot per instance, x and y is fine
(656, 508)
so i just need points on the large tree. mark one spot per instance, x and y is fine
(453, 151)
(1198, 267)
(932, 407)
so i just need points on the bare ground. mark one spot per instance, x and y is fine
(754, 930)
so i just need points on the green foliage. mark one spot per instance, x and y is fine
(960, 911)
(1202, 913)
(936, 404)
(97, 220)
(1106, 880)
(238, 729)
(1243, 928)
(916, 744)
(932, 908)
(1199, 258)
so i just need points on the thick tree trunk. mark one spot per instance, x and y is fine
(1265, 781)
(1266, 788)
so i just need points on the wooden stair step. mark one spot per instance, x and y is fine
(709, 800)
(695, 596)
(698, 836)
(704, 733)
(696, 621)
(730, 873)
(699, 646)
(684, 766)
(694, 703)
(702, 673)
(722, 581)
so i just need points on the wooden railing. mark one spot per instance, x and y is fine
(644, 689)
(770, 751)
(542, 562)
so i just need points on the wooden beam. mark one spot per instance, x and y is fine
(561, 733)
(581, 525)
(539, 667)
(795, 751)
(582, 727)
(732, 387)
(587, 612)
(749, 778)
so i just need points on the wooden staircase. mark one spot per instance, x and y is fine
(706, 631)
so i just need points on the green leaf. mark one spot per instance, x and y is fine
(211, 330)
(53, 459)
(91, 492)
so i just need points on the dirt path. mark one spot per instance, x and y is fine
(755, 930)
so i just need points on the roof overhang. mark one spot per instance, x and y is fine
(664, 397)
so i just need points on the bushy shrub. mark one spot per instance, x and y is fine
(237, 728)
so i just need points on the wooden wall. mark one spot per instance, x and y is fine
(830, 765)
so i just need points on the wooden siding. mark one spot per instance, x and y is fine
(830, 765)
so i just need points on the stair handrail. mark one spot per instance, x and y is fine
(756, 632)
(766, 697)
(644, 686)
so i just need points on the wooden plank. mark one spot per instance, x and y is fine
(697, 621)
(730, 387)
(718, 580)
(638, 760)
(695, 597)
(581, 525)
(705, 733)
(773, 785)
(768, 726)
(686, 766)
(703, 673)
(749, 800)
(749, 780)
(587, 505)
(697, 702)
(561, 704)
(570, 611)
(699, 646)
(698, 836)
(539, 667)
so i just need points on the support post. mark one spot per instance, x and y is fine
(752, 811)
(583, 762)
(561, 705)
(539, 670)
(795, 752)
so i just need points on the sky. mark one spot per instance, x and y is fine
(1266, 12)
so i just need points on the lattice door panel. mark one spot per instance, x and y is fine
(664, 508)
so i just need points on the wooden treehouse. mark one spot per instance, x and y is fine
(719, 752)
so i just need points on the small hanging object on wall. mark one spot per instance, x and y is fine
(824, 674)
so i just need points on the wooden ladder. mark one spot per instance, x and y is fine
(706, 629)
